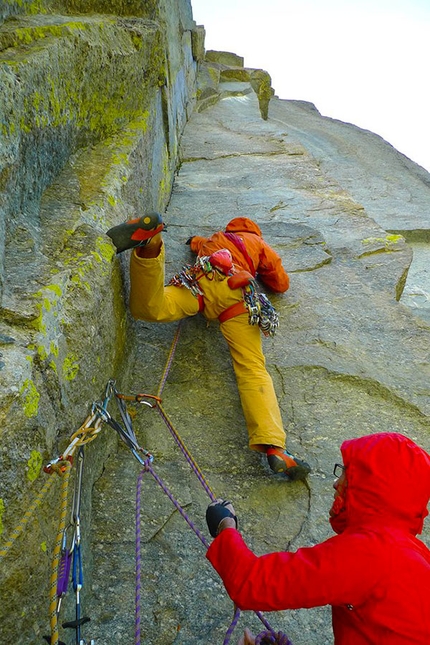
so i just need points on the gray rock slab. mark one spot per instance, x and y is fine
(349, 359)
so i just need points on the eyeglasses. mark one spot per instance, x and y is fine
(338, 470)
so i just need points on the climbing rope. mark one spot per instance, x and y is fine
(138, 559)
(278, 637)
(170, 358)
(26, 518)
(63, 468)
(232, 626)
(87, 432)
(192, 462)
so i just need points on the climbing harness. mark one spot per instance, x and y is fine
(260, 310)
(68, 558)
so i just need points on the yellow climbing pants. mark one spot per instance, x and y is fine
(150, 300)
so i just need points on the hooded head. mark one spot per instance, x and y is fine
(243, 225)
(388, 482)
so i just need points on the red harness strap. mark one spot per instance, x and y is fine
(234, 310)
(201, 302)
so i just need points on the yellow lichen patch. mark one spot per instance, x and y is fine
(34, 465)
(387, 244)
(105, 249)
(45, 323)
(53, 348)
(393, 239)
(78, 281)
(43, 354)
(387, 240)
(31, 398)
(70, 367)
(38, 321)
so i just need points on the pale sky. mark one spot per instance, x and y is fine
(365, 62)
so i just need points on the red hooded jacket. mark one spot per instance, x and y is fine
(375, 573)
(266, 262)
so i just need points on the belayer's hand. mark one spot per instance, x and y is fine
(220, 515)
(247, 638)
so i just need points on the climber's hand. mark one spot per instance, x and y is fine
(220, 515)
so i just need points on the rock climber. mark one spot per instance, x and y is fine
(221, 286)
(374, 573)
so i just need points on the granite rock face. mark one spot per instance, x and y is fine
(349, 359)
(104, 116)
(94, 98)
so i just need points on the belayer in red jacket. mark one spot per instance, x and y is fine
(374, 573)
(220, 285)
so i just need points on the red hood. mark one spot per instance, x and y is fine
(241, 225)
(388, 479)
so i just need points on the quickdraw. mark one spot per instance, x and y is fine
(62, 556)
(77, 568)
(191, 273)
(125, 431)
(68, 557)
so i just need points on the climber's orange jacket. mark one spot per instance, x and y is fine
(265, 261)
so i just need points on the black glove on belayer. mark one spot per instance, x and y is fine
(216, 512)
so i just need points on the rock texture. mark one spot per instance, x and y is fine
(349, 359)
(93, 131)
(92, 107)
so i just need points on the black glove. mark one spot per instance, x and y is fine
(216, 512)
(189, 240)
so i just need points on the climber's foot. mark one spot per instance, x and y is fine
(136, 232)
(281, 461)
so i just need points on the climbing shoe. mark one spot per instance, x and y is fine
(281, 461)
(136, 232)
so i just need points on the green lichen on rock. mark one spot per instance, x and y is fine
(388, 244)
(34, 465)
(31, 398)
(89, 91)
(70, 367)
(105, 249)
(47, 321)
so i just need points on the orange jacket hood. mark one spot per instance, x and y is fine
(388, 479)
(243, 225)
